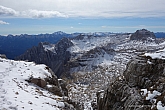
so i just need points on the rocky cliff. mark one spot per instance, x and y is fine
(142, 87)
(53, 55)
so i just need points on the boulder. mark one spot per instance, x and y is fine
(39, 82)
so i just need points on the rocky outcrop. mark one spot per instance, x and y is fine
(143, 35)
(49, 83)
(141, 88)
(3, 56)
(54, 56)
(56, 87)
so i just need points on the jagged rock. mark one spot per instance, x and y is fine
(68, 107)
(142, 74)
(54, 56)
(143, 35)
(55, 90)
(63, 85)
(128, 93)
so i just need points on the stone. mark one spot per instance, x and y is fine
(55, 90)
(39, 82)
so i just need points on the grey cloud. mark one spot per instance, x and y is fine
(7, 11)
(44, 14)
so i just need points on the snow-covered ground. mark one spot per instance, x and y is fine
(152, 97)
(88, 43)
(17, 94)
(160, 54)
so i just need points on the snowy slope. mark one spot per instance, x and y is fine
(160, 54)
(91, 42)
(17, 94)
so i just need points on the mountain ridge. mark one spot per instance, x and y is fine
(90, 63)
(15, 45)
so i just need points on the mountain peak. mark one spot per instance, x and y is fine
(59, 33)
(143, 35)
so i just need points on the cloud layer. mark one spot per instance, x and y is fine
(83, 8)
(3, 22)
(5, 11)
(44, 14)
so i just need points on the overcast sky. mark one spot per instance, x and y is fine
(132, 15)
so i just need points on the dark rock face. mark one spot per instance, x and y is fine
(142, 74)
(55, 90)
(54, 58)
(39, 82)
(143, 35)
(63, 85)
(127, 93)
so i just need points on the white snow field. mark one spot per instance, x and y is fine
(17, 94)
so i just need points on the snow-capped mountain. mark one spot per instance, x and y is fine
(92, 62)
(53, 55)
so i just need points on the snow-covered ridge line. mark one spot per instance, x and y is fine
(18, 94)
(160, 54)
(86, 43)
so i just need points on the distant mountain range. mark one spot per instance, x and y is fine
(15, 45)
(160, 34)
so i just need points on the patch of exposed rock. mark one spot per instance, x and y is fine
(142, 88)
(3, 56)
